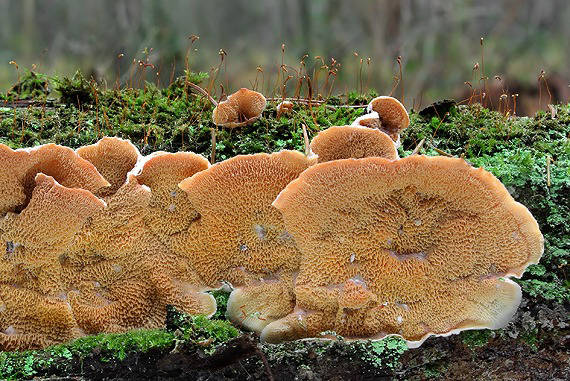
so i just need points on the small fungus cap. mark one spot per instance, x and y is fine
(393, 115)
(345, 142)
(371, 120)
(284, 108)
(432, 238)
(240, 109)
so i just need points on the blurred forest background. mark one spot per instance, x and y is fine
(438, 41)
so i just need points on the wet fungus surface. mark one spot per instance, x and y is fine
(365, 244)
(113, 158)
(414, 247)
(20, 167)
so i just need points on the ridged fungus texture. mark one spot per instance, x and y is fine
(414, 247)
(392, 114)
(124, 275)
(30, 320)
(345, 142)
(18, 169)
(77, 264)
(170, 210)
(42, 232)
(240, 237)
(240, 109)
(113, 158)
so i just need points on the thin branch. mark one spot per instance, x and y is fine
(418, 147)
(313, 101)
(306, 138)
(203, 92)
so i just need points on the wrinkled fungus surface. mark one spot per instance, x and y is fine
(240, 237)
(345, 142)
(240, 109)
(413, 247)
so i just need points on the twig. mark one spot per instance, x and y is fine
(548, 160)
(306, 138)
(213, 154)
(418, 147)
(442, 152)
(203, 92)
(313, 101)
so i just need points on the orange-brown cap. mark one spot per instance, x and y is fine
(240, 109)
(170, 210)
(52, 217)
(393, 115)
(284, 108)
(371, 120)
(255, 305)
(427, 242)
(116, 298)
(113, 158)
(234, 200)
(344, 142)
(18, 170)
(240, 237)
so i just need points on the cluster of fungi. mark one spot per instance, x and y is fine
(349, 238)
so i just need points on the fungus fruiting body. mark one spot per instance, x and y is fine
(392, 115)
(414, 247)
(102, 240)
(240, 109)
(345, 142)
(284, 107)
(113, 158)
(240, 237)
(20, 167)
(170, 209)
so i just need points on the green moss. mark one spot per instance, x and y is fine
(77, 90)
(190, 331)
(531, 338)
(384, 353)
(222, 298)
(476, 338)
(194, 329)
(17, 365)
(32, 85)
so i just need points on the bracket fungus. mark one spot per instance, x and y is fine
(240, 109)
(345, 142)
(170, 210)
(42, 232)
(113, 158)
(29, 320)
(413, 247)
(240, 237)
(125, 276)
(19, 168)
